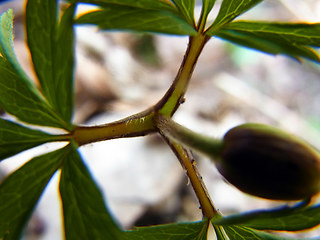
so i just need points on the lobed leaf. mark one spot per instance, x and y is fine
(15, 138)
(165, 5)
(186, 7)
(269, 46)
(85, 214)
(20, 192)
(19, 96)
(176, 231)
(229, 10)
(51, 47)
(279, 219)
(115, 17)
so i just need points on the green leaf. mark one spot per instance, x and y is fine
(144, 4)
(115, 17)
(51, 47)
(207, 6)
(19, 96)
(21, 190)
(229, 10)
(6, 43)
(177, 231)
(85, 214)
(243, 233)
(279, 219)
(15, 138)
(186, 7)
(288, 33)
(269, 46)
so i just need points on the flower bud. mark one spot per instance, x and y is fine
(269, 163)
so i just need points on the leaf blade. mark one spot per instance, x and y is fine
(114, 17)
(297, 33)
(144, 4)
(20, 192)
(15, 138)
(19, 96)
(186, 7)
(51, 47)
(279, 219)
(85, 214)
(267, 46)
(243, 233)
(229, 10)
(177, 231)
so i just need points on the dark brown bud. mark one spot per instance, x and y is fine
(269, 163)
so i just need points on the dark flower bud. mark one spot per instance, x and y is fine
(269, 163)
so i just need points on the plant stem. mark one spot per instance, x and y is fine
(142, 123)
(186, 160)
(136, 125)
(209, 146)
(174, 96)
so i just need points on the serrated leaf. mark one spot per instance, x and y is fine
(229, 10)
(268, 46)
(21, 190)
(279, 219)
(115, 17)
(144, 4)
(15, 138)
(51, 47)
(176, 231)
(85, 214)
(19, 96)
(186, 7)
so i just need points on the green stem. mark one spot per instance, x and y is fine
(142, 123)
(207, 145)
(175, 94)
(136, 125)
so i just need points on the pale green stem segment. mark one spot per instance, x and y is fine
(209, 146)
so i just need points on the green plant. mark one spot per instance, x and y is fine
(51, 43)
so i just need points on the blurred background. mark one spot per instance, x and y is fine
(118, 74)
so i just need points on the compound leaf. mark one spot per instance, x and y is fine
(229, 10)
(186, 7)
(15, 138)
(19, 96)
(85, 214)
(279, 219)
(116, 17)
(21, 190)
(177, 231)
(51, 47)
